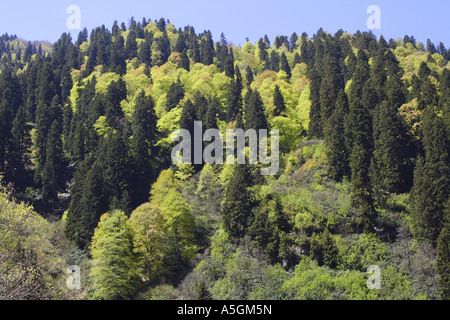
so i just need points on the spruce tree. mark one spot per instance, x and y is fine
(185, 62)
(175, 95)
(239, 202)
(315, 119)
(443, 256)
(53, 171)
(254, 112)
(337, 148)
(274, 61)
(234, 99)
(118, 56)
(249, 76)
(278, 101)
(131, 49)
(116, 93)
(431, 180)
(360, 160)
(284, 65)
(145, 51)
(144, 140)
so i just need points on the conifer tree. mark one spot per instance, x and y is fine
(431, 180)
(284, 65)
(360, 159)
(53, 171)
(175, 95)
(278, 101)
(131, 45)
(185, 62)
(315, 124)
(249, 75)
(274, 61)
(443, 256)
(144, 140)
(116, 93)
(239, 202)
(163, 44)
(229, 64)
(254, 112)
(207, 49)
(145, 51)
(337, 148)
(234, 99)
(118, 56)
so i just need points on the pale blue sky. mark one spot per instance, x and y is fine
(238, 19)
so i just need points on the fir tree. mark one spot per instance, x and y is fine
(284, 65)
(175, 95)
(53, 171)
(118, 56)
(337, 149)
(443, 256)
(144, 140)
(239, 202)
(278, 101)
(254, 112)
(131, 45)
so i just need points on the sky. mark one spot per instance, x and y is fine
(46, 20)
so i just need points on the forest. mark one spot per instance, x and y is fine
(87, 181)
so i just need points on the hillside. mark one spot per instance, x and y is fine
(363, 180)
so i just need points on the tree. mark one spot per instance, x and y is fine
(239, 202)
(274, 61)
(443, 256)
(46, 116)
(278, 101)
(284, 65)
(131, 49)
(144, 141)
(185, 62)
(10, 101)
(118, 56)
(145, 51)
(324, 249)
(254, 112)
(113, 271)
(116, 93)
(431, 180)
(249, 76)
(315, 124)
(175, 95)
(149, 239)
(360, 160)
(163, 44)
(234, 99)
(53, 172)
(338, 155)
(181, 228)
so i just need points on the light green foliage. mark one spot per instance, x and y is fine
(149, 238)
(311, 282)
(361, 251)
(113, 272)
(31, 265)
(165, 182)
